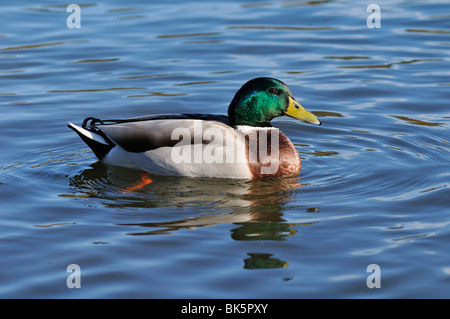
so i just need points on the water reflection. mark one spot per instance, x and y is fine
(255, 207)
(263, 261)
(263, 231)
(258, 198)
(416, 121)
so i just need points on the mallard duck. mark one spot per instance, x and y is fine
(241, 145)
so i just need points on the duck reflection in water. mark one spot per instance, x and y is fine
(255, 207)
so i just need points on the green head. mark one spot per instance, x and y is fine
(260, 100)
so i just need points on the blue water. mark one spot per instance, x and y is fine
(375, 180)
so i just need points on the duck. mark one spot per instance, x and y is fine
(240, 145)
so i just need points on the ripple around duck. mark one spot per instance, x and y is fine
(370, 165)
(27, 172)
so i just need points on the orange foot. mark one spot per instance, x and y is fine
(145, 180)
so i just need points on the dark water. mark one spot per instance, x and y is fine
(374, 187)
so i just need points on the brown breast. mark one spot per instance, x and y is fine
(271, 153)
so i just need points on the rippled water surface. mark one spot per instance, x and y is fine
(374, 186)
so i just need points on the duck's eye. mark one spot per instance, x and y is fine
(274, 91)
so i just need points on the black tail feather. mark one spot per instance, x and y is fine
(100, 149)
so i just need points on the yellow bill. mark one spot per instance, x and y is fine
(298, 112)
